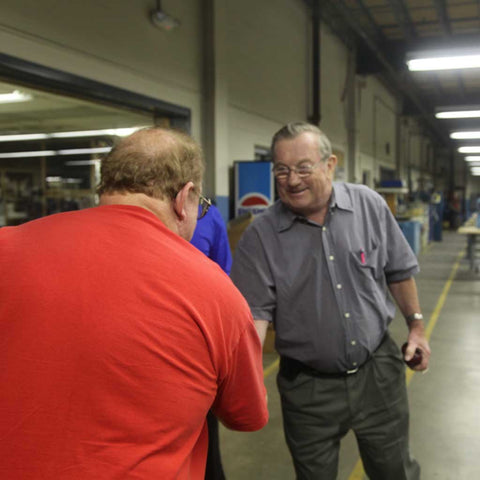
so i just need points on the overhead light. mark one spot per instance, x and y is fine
(472, 158)
(37, 153)
(81, 151)
(63, 180)
(475, 149)
(464, 135)
(15, 96)
(119, 132)
(53, 153)
(162, 20)
(81, 163)
(458, 114)
(443, 60)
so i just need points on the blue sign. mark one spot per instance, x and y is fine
(254, 187)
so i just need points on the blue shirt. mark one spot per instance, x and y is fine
(211, 238)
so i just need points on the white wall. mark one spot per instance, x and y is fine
(114, 42)
(376, 127)
(333, 83)
(268, 43)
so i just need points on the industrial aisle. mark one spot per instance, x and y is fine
(444, 402)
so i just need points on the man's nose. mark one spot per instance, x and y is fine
(293, 178)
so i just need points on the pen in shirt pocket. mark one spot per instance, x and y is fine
(362, 256)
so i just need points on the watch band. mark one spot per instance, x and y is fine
(414, 316)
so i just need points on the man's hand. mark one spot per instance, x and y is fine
(416, 339)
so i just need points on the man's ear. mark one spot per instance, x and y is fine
(180, 201)
(332, 163)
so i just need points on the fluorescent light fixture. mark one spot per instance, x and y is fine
(475, 149)
(63, 180)
(458, 114)
(15, 96)
(119, 132)
(81, 163)
(81, 151)
(37, 153)
(472, 158)
(464, 135)
(52, 153)
(443, 60)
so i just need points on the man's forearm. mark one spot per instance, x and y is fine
(406, 296)
(262, 327)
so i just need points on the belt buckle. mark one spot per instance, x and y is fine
(350, 372)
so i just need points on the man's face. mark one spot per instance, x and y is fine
(307, 195)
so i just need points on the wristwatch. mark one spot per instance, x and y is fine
(414, 316)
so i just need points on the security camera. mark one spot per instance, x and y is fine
(162, 20)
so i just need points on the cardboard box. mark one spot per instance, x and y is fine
(236, 227)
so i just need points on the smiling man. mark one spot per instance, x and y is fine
(319, 265)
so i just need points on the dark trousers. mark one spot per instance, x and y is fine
(318, 411)
(214, 469)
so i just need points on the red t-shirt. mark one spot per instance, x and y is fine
(116, 338)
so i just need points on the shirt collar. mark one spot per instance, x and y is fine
(339, 199)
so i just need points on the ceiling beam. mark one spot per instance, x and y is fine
(441, 8)
(404, 20)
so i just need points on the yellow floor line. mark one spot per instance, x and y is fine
(271, 368)
(358, 472)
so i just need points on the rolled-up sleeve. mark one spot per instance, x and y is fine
(401, 261)
(252, 275)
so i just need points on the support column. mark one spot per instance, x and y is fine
(215, 116)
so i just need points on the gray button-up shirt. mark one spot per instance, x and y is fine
(325, 286)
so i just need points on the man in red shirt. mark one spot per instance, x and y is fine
(116, 335)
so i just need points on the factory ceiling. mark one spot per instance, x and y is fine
(383, 32)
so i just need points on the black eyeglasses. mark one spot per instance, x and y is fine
(204, 204)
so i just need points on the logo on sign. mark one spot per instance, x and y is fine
(253, 202)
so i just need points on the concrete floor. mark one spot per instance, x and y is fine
(444, 402)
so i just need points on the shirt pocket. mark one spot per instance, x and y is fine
(367, 261)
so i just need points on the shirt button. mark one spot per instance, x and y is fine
(354, 364)
(331, 257)
(353, 342)
(339, 286)
(324, 229)
(347, 315)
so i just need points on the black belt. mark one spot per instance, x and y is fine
(291, 368)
